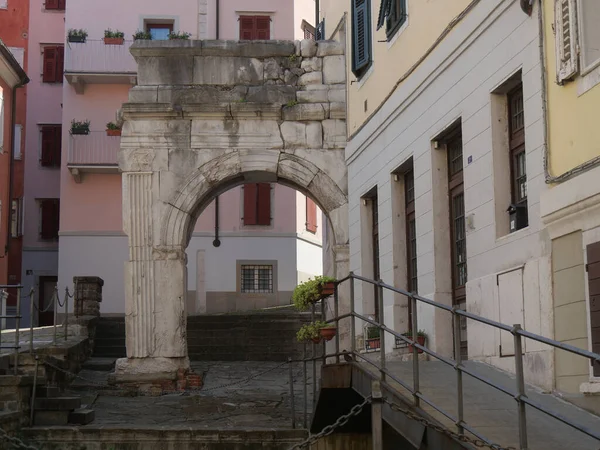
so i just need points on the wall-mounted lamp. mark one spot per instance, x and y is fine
(364, 202)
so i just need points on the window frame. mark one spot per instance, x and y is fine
(516, 149)
(585, 69)
(256, 268)
(261, 192)
(392, 28)
(359, 68)
(59, 61)
(53, 236)
(61, 5)
(254, 32)
(56, 152)
(167, 24)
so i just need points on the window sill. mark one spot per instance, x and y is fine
(364, 77)
(509, 236)
(591, 388)
(588, 81)
(391, 41)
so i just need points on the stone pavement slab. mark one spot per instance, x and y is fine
(493, 413)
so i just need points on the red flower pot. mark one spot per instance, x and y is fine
(113, 41)
(373, 343)
(113, 132)
(326, 289)
(328, 333)
(316, 340)
(420, 341)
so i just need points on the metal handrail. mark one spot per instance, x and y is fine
(518, 333)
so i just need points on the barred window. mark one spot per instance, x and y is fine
(257, 279)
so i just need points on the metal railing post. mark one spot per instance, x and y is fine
(17, 326)
(293, 406)
(66, 313)
(55, 307)
(32, 407)
(324, 343)
(457, 367)
(337, 323)
(314, 361)
(31, 321)
(381, 332)
(352, 318)
(415, 329)
(520, 386)
(376, 415)
(305, 388)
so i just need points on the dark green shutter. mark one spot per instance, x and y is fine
(384, 11)
(361, 33)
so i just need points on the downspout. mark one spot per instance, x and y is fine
(13, 119)
(217, 19)
(217, 241)
(316, 17)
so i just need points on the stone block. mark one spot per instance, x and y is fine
(306, 111)
(294, 134)
(271, 94)
(57, 403)
(312, 64)
(314, 135)
(82, 416)
(247, 133)
(249, 49)
(311, 78)
(272, 70)
(336, 95)
(212, 70)
(290, 78)
(182, 95)
(334, 133)
(47, 391)
(334, 69)
(143, 94)
(157, 70)
(51, 418)
(308, 48)
(337, 110)
(312, 96)
(329, 48)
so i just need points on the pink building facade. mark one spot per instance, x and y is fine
(264, 240)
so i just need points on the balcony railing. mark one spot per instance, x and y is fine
(94, 152)
(94, 57)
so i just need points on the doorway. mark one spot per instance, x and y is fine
(47, 286)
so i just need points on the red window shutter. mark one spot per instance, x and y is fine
(593, 272)
(56, 154)
(48, 144)
(62, 4)
(52, 4)
(47, 207)
(264, 204)
(250, 209)
(49, 70)
(55, 218)
(263, 27)
(60, 63)
(311, 215)
(247, 28)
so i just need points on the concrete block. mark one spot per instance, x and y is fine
(306, 111)
(82, 416)
(311, 78)
(334, 69)
(308, 48)
(329, 48)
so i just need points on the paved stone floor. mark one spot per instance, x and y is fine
(261, 403)
(493, 413)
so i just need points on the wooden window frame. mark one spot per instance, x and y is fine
(311, 216)
(149, 24)
(54, 225)
(255, 30)
(517, 149)
(55, 5)
(360, 65)
(395, 20)
(257, 204)
(53, 68)
(50, 157)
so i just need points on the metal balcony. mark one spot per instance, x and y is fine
(93, 62)
(93, 153)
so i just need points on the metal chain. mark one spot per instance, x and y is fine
(15, 442)
(480, 443)
(341, 421)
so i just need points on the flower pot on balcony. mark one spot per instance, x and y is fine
(79, 131)
(326, 289)
(420, 341)
(79, 39)
(113, 132)
(372, 344)
(328, 333)
(113, 41)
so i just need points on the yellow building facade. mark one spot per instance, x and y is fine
(570, 207)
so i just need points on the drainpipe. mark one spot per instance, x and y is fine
(316, 17)
(13, 119)
(217, 19)
(216, 242)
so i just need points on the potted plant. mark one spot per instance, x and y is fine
(78, 127)
(311, 291)
(77, 35)
(112, 129)
(180, 35)
(421, 336)
(142, 36)
(373, 338)
(113, 37)
(316, 331)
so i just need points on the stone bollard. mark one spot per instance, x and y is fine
(88, 295)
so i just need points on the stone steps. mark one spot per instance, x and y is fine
(53, 409)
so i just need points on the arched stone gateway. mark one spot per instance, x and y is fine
(205, 117)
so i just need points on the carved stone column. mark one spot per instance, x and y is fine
(155, 319)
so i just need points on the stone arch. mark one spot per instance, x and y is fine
(234, 168)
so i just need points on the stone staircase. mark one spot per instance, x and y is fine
(109, 341)
(253, 336)
(260, 335)
(53, 409)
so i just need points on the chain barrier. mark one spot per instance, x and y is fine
(480, 443)
(51, 303)
(341, 421)
(15, 442)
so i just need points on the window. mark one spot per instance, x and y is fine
(589, 18)
(311, 216)
(393, 14)
(593, 273)
(565, 30)
(16, 218)
(49, 218)
(159, 31)
(54, 57)
(255, 28)
(518, 168)
(361, 36)
(411, 232)
(51, 145)
(257, 279)
(55, 4)
(17, 142)
(257, 204)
